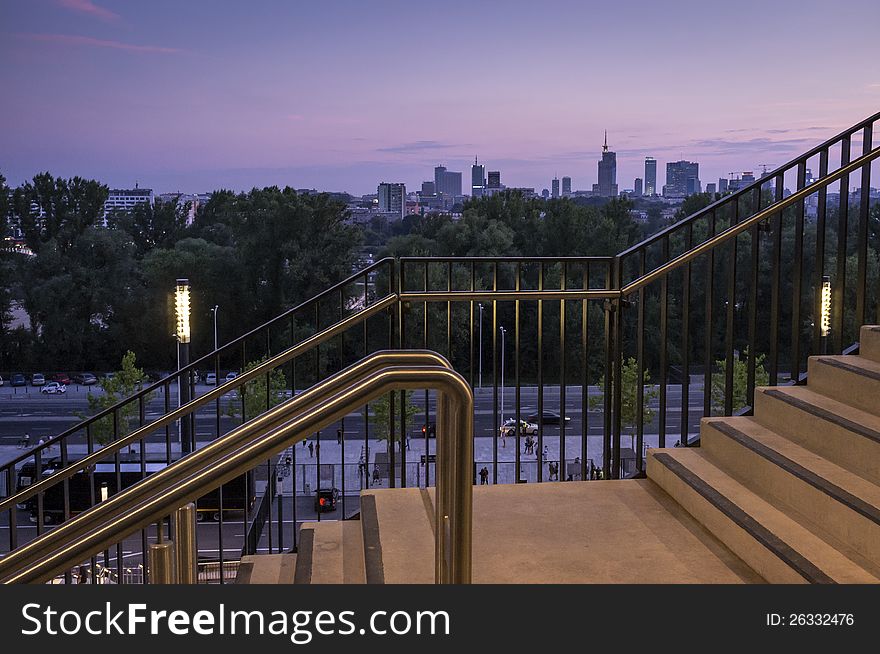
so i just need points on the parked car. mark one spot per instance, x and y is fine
(53, 388)
(17, 379)
(525, 428)
(430, 428)
(231, 375)
(38, 379)
(325, 499)
(550, 418)
(61, 378)
(211, 379)
(85, 379)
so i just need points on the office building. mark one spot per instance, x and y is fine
(447, 183)
(392, 198)
(566, 187)
(607, 186)
(682, 179)
(428, 189)
(650, 176)
(127, 199)
(494, 179)
(637, 187)
(545, 193)
(555, 186)
(710, 189)
(478, 179)
(740, 181)
(722, 185)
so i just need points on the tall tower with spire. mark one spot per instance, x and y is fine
(607, 186)
(478, 179)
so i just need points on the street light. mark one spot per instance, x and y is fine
(503, 332)
(182, 311)
(481, 345)
(214, 311)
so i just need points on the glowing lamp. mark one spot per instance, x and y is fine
(825, 320)
(181, 306)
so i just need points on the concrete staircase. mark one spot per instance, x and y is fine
(788, 495)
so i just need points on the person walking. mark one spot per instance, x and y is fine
(25, 441)
(484, 476)
(339, 436)
(311, 449)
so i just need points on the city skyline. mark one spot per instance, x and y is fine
(198, 96)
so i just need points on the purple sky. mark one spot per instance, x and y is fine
(197, 95)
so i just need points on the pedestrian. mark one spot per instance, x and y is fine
(25, 442)
(339, 437)
(503, 438)
(546, 452)
(305, 442)
(407, 441)
(484, 476)
(318, 448)
(376, 474)
(311, 449)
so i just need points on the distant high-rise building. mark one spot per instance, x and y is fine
(566, 187)
(722, 185)
(494, 179)
(741, 181)
(637, 187)
(126, 199)
(428, 189)
(555, 186)
(710, 188)
(446, 182)
(682, 179)
(478, 179)
(392, 198)
(607, 185)
(650, 176)
(545, 194)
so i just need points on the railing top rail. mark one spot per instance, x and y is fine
(744, 191)
(178, 412)
(161, 493)
(516, 259)
(743, 225)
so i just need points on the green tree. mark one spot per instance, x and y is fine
(122, 384)
(740, 381)
(381, 420)
(629, 403)
(253, 395)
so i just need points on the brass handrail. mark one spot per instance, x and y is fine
(213, 452)
(185, 409)
(752, 220)
(154, 498)
(502, 296)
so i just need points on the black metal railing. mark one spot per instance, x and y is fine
(690, 320)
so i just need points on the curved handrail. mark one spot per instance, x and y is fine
(744, 225)
(231, 345)
(271, 419)
(156, 496)
(192, 405)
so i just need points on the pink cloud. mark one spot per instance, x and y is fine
(71, 39)
(90, 8)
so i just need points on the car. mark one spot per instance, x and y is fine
(325, 499)
(38, 379)
(61, 378)
(85, 379)
(525, 427)
(17, 379)
(431, 430)
(53, 388)
(550, 418)
(1, 380)
(231, 375)
(211, 379)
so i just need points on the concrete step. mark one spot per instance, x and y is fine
(853, 380)
(776, 546)
(869, 342)
(834, 501)
(330, 552)
(266, 569)
(398, 536)
(836, 431)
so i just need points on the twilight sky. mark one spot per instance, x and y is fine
(194, 95)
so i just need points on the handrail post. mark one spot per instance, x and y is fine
(183, 536)
(161, 558)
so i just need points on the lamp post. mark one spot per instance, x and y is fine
(182, 310)
(825, 316)
(503, 332)
(214, 311)
(481, 345)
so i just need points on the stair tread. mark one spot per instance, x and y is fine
(405, 534)
(827, 408)
(266, 569)
(768, 524)
(847, 487)
(353, 553)
(327, 552)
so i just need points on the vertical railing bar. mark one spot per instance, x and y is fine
(640, 370)
(775, 295)
(541, 461)
(664, 360)
(710, 300)
(607, 391)
(685, 340)
(516, 373)
(837, 308)
(755, 262)
(730, 317)
(585, 384)
(819, 271)
(561, 468)
(618, 372)
(862, 240)
(495, 420)
(797, 278)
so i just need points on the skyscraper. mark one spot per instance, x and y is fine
(637, 187)
(650, 176)
(710, 189)
(446, 182)
(682, 179)
(607, 186)
(555, 187)
(478, 179)
(392, 198)
(494, 179)
(722, 185)
(566, 187)
(429, 188)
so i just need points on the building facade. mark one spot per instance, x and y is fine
(682, 179)
(607, 186)
(392, 198)
(650, 176)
